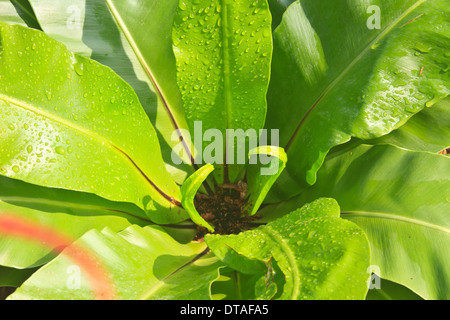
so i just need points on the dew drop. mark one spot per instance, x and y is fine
(60, 150)
(182, 5)
(79, 68)
(431, 102)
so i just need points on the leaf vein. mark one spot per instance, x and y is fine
(102, 140)
(381, 215)
(349, 67)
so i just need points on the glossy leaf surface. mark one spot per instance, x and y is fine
(110, 32)
(189, 190)
(427, 130)
(60, 130)
(320, 255)
(387, 85)
(66, 213)
(380, 78)
(137, 263)
(261, 177)
(223, 53)
(400, 199)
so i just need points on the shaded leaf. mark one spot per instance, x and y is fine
(9, 14)
(26, 12)
(400, 199)
(68, 213)
(391, 291)
(233, 285)
(11, 277)
(277, 8)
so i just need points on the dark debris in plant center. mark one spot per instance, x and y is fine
(224, 211)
